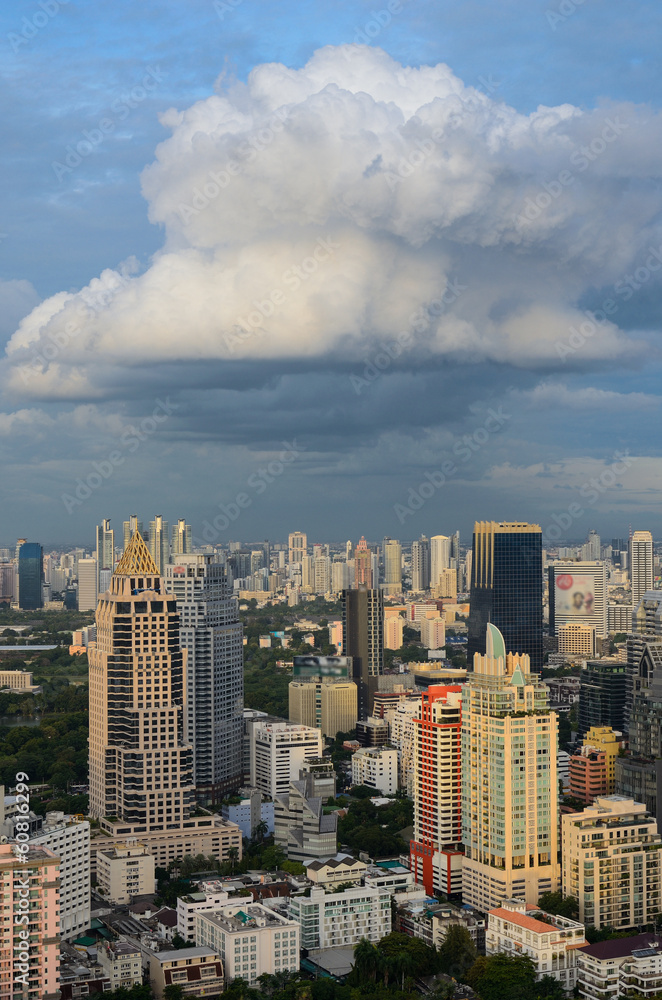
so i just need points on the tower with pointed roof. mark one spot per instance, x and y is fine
(509, 780)
(141, 767)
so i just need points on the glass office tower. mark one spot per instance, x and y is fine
(506, 588)
(30, 576)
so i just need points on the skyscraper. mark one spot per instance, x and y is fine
(297, 546)
(591, 550)
(88, 584)
(363, 640)
(130, 527)
(640, 564)
(602, 695)
(436, 849)
(141, 770)
(212, 634)
(392, 566)
(30, 575)
(509, 781)
(105, 552)
(181, 541)
(363, 564)
(159, 542)
(420, 564)
(440, 557)
(578, 596)
(506, 588)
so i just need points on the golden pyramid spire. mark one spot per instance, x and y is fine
(136, 559)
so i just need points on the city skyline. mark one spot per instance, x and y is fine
(465, 314)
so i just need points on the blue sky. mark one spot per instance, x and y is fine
(361, 449)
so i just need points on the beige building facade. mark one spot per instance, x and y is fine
(324, 703)
(509, 781)
(551, 942)
(125, 872)
(612, 862)
(251, 940)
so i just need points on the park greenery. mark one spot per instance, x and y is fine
(375, 829)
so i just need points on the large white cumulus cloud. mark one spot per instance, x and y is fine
(316, 213)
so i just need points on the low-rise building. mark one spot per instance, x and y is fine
(198, 971)
(620, 967)
(376, 767)
(588, 774)
(612, 862)
(551, 942)
(328, 872)
(251, 939)
(120, 963)
(124, 872)
(209, 898)
(251, 810)
(341, 919)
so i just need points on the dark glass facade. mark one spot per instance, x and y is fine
(506, 590)
(30, 575)
(363, 640)
(601, 696)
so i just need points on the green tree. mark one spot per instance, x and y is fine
(557, 903)
(173, 992)
(549, 988)
(457, 952)
(366, 961)
(503, 977)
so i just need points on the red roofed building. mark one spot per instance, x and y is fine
(550, 941)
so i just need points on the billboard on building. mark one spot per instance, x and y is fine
(574, 595)
(323, 666)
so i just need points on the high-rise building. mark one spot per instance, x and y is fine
(363, 570)
(181, 542)
(321, 574)
(68, 837)
(212, 635)
(88, 582)
(645, 627)
(297, 546)
(602, 695)
(506, 588)
(578, 596)
(509, 780)
(436, 849)
(420, 565)
(30, 888)
(363, 640)
(640, 564)
(612, 863)
(105, 551)
(130, 527)
(392, 566)
(440, 557)
(279, 751)
(159, 542)
(30, 575)
(141, 769)
(433, 632)
(394, 627)
(339, 575)
(322, 694)
(591, 550)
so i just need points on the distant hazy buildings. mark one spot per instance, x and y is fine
(420, 565)
(297, 546)
(506, 588)
(105, 552)
(159, 542)
(181, 542)
(88, 578)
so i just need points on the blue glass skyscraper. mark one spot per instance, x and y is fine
(30, 576)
